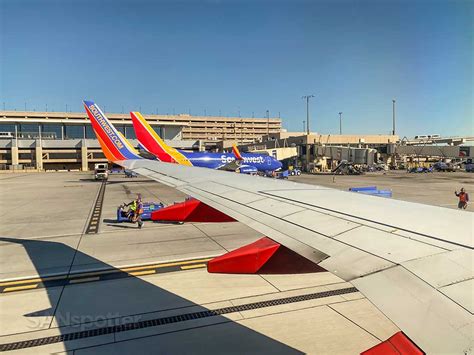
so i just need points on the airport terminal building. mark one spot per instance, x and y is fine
(65, 140)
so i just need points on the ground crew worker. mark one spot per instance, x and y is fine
(136, 210)
(463, 198)
(132, 207)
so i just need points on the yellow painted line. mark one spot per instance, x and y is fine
(157, 266)
(18, 288)
(140, 273)
(105, 272)
(187, 267)
(86, 279)
(22, 282)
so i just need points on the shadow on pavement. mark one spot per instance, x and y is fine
(128, 300)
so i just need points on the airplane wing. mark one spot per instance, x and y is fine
(413, 261)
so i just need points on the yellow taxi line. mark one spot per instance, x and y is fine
(76, 278)
(27, 281)
(86, 279)
(157, 266)
(187, 267)
(18, 288)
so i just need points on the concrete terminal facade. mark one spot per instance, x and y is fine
(70, 154)
(76, 125)
(65, 140)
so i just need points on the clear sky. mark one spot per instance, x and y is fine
(354, 56)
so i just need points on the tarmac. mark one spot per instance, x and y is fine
(124, 290)
(435, 188)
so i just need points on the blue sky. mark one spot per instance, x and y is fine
(354, 56)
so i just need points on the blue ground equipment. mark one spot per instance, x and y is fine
(372, 190)
(282, 174)
(130, 174)
(148, 208)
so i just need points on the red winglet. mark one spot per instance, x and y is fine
(397, 344)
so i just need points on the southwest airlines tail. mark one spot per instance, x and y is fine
(236, 152)
(113, 143)
(152, 142)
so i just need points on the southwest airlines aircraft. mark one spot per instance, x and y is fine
(243, 163)
(412, 261)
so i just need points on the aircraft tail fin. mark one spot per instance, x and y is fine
(114, 145)
(152, 142)
(236, 152)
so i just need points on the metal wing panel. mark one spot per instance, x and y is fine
(280, 209)
(398, 214)
(389, 246)
(322, 223)
(434, 322)
(444, 269)
(462, 293)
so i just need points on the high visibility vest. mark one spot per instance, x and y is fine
(133, 207)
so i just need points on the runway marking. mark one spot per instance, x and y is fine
(18, 288)
(27, 281)
(167, 264)
(85, 279)
(188, 267)
(102, 275)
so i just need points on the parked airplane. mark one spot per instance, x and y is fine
(241, 162)
(419, 274)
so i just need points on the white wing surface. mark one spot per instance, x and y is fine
(413, 261)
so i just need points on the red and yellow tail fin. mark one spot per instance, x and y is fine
(113, 143)
(236, 152)
(152, 142)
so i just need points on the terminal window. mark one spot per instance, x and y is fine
(73, 131)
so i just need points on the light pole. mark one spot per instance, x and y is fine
(268, 122)
(307, 97)
(340, 122)
(304, 125)
(393, 117)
